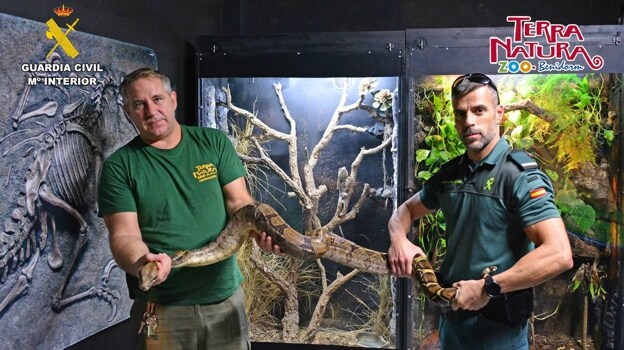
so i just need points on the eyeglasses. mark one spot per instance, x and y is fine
(475, 78)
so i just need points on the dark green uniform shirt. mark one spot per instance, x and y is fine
(177, 195)
(486, 206)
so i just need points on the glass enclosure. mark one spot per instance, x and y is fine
(568, 124)
(337, 129)
(319, 151)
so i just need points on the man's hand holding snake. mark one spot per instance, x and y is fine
(154, 268)
(472, 295)
(400, 256)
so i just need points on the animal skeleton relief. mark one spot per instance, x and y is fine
(64, 140)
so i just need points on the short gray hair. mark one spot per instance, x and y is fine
(145, 72)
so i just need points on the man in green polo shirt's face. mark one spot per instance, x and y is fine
(477, 115)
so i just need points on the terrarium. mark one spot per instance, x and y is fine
(320, 146)
(567, 123)
(560, 86)
(337, 129)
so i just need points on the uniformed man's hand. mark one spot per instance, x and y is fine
(471, 295)
(400, 256)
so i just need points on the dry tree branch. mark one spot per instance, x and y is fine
(339, 216)
(310, 195)
(266, 159)
(321, 267)
(290, 322)
(308, 171)
(294, 181)
(351, 128)
(373, 113)
(252, 118)
(339, 219)
(321, 305)
(366, 152)
(292, 139)
(531, 107)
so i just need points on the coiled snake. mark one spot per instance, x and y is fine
(262, 218)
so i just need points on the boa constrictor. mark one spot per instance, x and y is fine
(263, 218)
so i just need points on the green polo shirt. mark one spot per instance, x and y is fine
(486, 205)
(178, 197)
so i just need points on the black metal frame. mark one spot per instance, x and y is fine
(619, 219)
(466, 50)
(405, 54)
(301, 55)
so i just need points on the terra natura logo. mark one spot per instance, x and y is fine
(557, 51)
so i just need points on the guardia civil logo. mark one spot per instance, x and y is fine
(60, 56)
(61, 37)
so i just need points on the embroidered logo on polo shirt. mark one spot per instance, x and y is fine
(452, 182)
(205, 172)
(488, 184)
(538, 193)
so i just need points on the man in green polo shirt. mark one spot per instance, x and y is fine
(172, 188)
(504, 234)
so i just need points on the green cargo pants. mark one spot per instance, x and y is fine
(221, 326)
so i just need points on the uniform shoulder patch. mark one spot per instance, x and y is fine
(522, 160)
(538, 193)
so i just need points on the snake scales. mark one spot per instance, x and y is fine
(262, 218)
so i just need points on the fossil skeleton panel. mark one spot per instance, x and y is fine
(58, 282)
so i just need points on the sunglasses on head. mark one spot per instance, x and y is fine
(475, 78)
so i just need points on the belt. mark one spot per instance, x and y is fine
(459, 315)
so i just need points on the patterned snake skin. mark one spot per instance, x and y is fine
(263, 218)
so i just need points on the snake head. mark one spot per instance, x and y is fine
(488, 271)
(147, 275)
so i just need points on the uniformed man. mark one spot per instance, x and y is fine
(504, 234)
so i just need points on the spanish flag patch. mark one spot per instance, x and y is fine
(538, 193)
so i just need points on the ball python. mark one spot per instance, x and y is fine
(261, 217)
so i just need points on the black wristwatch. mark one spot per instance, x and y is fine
(492, 289)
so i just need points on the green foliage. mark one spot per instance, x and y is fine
(442, 141)
(431, 238)
(382, 99)
(573, 209)
(520, 129)
(572, 123)
(442, 144)
(574, 104)
(552, 175)
(590, 277)
(609, 136)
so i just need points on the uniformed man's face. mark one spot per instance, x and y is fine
(151, 108)
(477, 116)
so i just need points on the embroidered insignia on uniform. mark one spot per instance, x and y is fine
(205, 172)
(488, 184)
(451, 182)
(538, 192)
